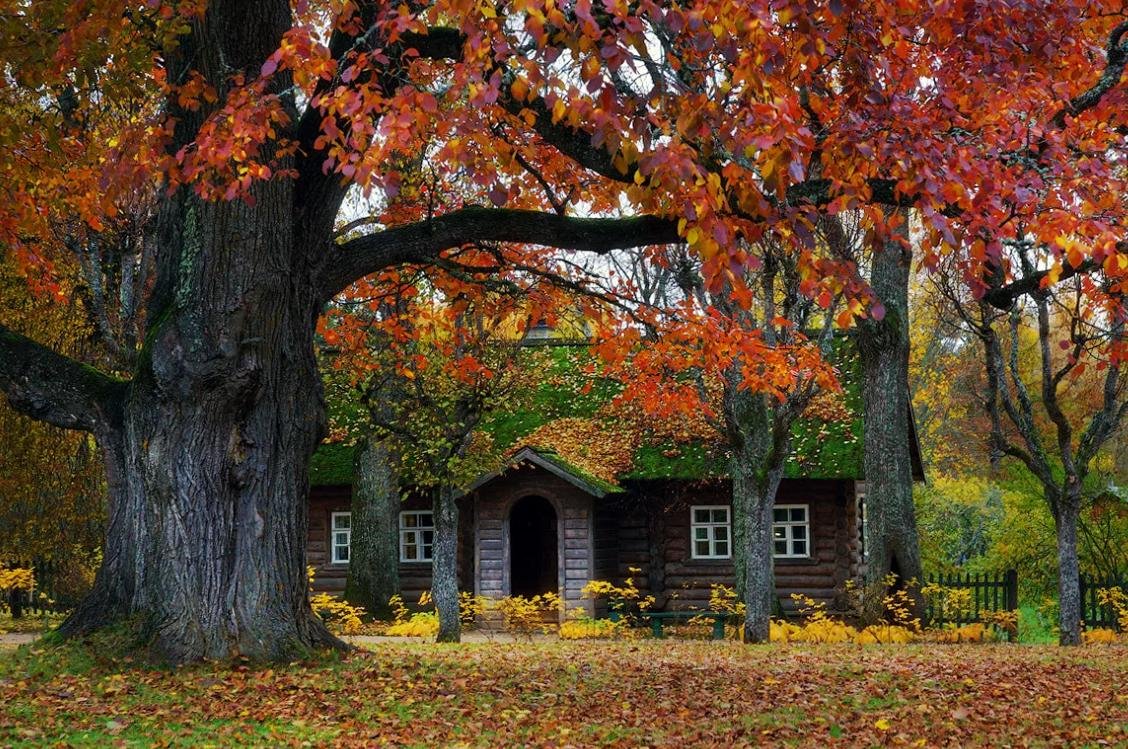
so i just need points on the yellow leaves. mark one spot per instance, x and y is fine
(881, 724)
(693, 236)
(16, 578)
(519, 89)
(559, 109)
(580, 627)
(419, 624)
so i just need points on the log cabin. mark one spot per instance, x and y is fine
(551, 518)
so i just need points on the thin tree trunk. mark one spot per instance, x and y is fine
(1069, 569)
(374, 547)
(890, 535)
(756, 469)
(755, 492)
(444, 580)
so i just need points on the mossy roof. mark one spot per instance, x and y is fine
(820, 449)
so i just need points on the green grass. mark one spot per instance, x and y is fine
(1033, 627)
(632, 693)
(29, 622)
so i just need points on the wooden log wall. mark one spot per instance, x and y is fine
(687, 581)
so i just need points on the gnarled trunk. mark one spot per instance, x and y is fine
(444, 574)
(374, 544)
(207, 458)
(890, 534)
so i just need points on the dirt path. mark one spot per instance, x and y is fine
(15, 639)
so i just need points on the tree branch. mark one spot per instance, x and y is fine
(53, 388)
(422, 241)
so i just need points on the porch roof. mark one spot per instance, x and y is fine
(556, 465)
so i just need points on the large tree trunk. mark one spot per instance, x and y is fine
(1069, 568)
(890, 534)
(444, 572)
(207, 457)
(374, 547)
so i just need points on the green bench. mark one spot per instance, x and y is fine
(657, 618)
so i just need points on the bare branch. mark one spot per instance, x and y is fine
(423, 241)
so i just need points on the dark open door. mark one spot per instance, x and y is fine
(532, 547)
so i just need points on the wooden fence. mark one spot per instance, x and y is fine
(1092, 612)
(990, 592)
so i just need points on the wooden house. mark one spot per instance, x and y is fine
(546, 520)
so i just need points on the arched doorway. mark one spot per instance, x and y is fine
(532, 547)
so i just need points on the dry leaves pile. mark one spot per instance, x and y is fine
(561, 694)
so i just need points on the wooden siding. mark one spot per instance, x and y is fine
(686, 582)
(415, 577)
(493, 502)
(605, 538)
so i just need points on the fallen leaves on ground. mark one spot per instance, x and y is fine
(567, 694)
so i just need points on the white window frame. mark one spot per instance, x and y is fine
(712, 540)
(333, 534)
(404, 531)
(788, 527)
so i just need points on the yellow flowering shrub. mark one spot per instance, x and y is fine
(419, 624)
(1101, 636)
(819, 627)
(626, 599)
(585, 628)
(16, 578)
(340, 616)
(526, 616)
(1117, 600)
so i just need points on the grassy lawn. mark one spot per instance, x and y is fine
(632, 694)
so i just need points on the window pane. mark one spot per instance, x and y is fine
(341, 520)
(428, 538)
(779, 533)
(721, 548)
(426, 519)
(799, 547)
(701, 533)
(410, 550)
(702, 548)
(798, 514)
(720, 515)
(427, 552)
(780, 547)
(701, 516)
(799, 531)
(343, 553)
(721, 533)
(780, 516)
(408, 520)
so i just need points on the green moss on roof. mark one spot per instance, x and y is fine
(820, 450)
(331, 465)
(561, 395)
(587, 478)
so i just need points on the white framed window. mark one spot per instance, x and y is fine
(710, 532)
(417, 535)
(791, 531)
(340, 535)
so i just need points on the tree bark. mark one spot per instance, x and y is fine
(374, 549)
(756, 469)
(1069, 568)
(444, 579)
(890, 535)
